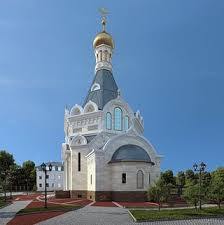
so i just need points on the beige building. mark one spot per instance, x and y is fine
(105, 155)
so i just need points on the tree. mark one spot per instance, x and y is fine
(159, 193)
(191, 194)
(206, 178)
(6, 161)
(180, 180)
(30, 174)
(216, 189)
(190, 177)
(168, 178)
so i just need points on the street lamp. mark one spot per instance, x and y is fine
(199, 168)
(44, 168)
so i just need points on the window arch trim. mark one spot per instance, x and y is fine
(126, 122)
(140, 179)
(108, 121)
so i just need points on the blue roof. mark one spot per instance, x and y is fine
(130, 153)
(108, 89)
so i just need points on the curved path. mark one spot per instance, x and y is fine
(7, 213)
(93, 215)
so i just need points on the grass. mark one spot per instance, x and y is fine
(176, 214)
(3, 203)
(63, 208)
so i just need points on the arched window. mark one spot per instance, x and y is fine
(117, 118)
(126, 123)
(140, 179)
(101, 55)
(108, 121)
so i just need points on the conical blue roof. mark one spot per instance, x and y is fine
(108, 89)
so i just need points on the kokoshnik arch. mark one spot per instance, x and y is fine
(105, 155)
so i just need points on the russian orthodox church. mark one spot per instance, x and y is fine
(105, 155)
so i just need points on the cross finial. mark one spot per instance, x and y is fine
(104, 12)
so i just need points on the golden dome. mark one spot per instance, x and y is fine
(103, 38)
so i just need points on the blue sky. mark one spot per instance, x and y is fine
(168, 62)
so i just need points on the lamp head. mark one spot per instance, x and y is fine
(43, 166)
(202, 165)
(195, 166)
(50, 167)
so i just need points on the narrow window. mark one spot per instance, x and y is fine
(123, 178)
(149, 178)
(108, 121)
(47, 176)
(126, 123)
(117, 118)
(79, 161)
(140, 179)
(100, 55)
(40, 185)
(91, 179)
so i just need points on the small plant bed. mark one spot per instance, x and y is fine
(62, 208)
(176, 214)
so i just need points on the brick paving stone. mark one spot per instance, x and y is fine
(93, 215)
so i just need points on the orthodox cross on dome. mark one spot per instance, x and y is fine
(104, 12)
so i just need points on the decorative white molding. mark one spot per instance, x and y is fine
(95, 87)
(78, 140)
(90, 107)
(76, 110)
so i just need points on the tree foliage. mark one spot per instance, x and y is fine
(180, 180)
(160, 192)
(216, 188)
(167, 177)
(191, 194)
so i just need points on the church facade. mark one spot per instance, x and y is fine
(105, 155)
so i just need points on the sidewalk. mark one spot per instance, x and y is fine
(8, 212)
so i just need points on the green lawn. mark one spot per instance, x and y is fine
(50, 208)
(176, 214)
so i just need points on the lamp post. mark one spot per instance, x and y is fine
(44, 168)
(199, 168)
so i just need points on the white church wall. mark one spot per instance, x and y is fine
(130, 169)
(103, 173)
(91, 172)
(79, 178)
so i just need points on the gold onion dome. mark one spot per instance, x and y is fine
(103, 37)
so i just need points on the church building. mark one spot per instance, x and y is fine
(105, 154)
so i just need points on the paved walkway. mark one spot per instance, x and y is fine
(93, 215)
(8, 212)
